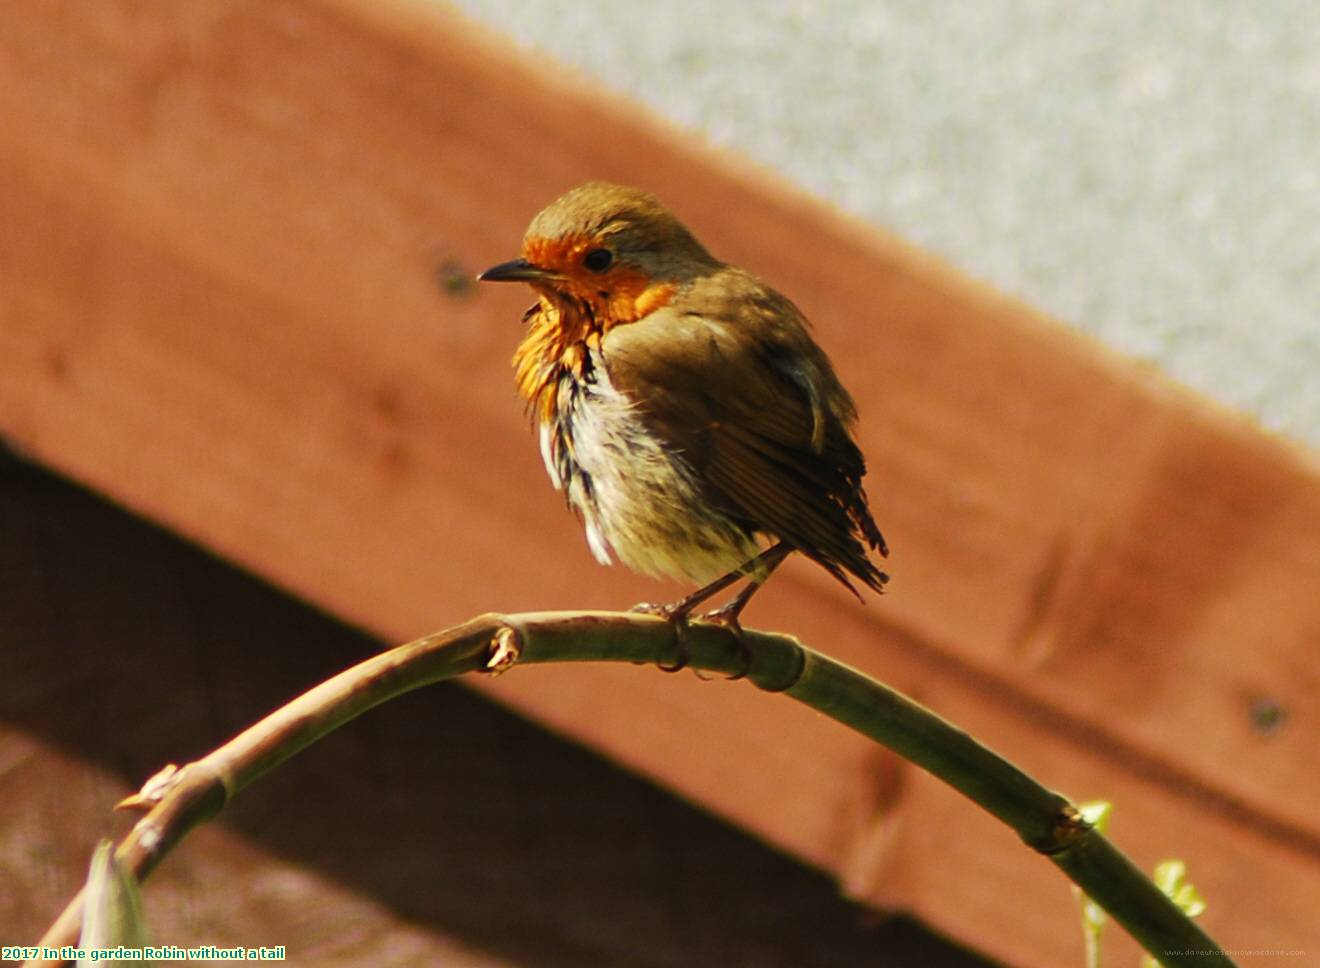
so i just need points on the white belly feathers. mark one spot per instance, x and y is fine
(648, 510)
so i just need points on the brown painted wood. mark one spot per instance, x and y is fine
(439, 830)
(225, 230)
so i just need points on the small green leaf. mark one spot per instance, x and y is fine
(1171, 877)
(112, 911)
(1097, 814)
(1189, 900)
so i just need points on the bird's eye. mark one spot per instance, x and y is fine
(598, 260)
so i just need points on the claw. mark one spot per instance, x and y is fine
(677, 617)
(658, 609)
(681, 657)
(727, 617)
(677, 613)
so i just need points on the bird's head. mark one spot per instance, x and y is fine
(611, 250)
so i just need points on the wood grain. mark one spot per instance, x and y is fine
(226, 227)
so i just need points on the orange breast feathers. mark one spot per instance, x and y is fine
(623, 293)
(576, 308)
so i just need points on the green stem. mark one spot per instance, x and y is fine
(1046, 821)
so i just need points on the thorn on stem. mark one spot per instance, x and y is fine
(153, 791)
(505, 650)
(1069, 827)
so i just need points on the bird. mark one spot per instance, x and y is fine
(683, 407)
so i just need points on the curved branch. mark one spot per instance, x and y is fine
(178, 799)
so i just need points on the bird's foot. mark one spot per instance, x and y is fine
(677, 616)
(664, 610)
(727, 617)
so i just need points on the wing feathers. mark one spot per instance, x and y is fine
(736, 385)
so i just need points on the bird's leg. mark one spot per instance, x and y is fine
(727, 614)
(678, 613)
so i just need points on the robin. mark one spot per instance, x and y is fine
(683, 408)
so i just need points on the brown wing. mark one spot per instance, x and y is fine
(734, 382)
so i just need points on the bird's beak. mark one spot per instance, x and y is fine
(519, 270)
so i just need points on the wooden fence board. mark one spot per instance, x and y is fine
(225, 231)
